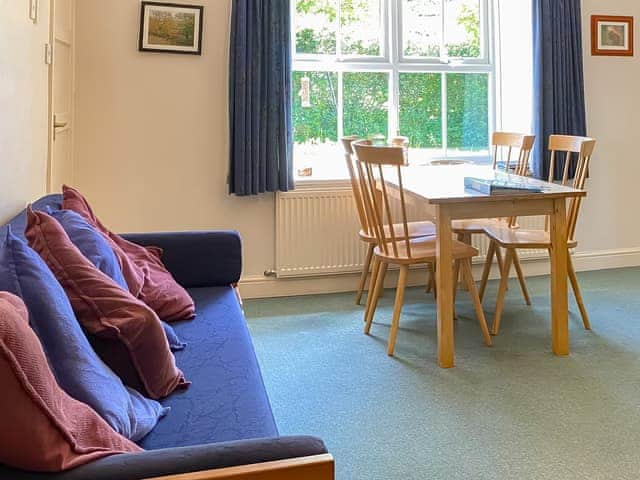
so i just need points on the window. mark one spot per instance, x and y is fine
(419, 68)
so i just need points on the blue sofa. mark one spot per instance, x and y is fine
(223, 422)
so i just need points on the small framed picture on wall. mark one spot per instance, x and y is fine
(170, 28)
(611, 35)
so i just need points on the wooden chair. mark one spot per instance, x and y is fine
(512, 239)
(403, 251)
(366, 234)
(502, 143)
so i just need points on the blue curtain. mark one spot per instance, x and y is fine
(260, 97)
(558, 78)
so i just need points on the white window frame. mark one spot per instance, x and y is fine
(393, 62)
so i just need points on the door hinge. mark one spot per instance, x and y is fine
(48, 54)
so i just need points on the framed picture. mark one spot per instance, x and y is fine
(611, 35)
(170, 28)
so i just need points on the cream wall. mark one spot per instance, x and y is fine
(151, 138)
(151, 131)
(23, 105)
(613, 118)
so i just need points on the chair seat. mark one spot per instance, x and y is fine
(522, 238)
(423, 250)
(416, 230)
(475, 225)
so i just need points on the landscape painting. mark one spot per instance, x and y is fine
(171, 28)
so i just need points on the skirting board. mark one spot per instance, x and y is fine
(266, 287)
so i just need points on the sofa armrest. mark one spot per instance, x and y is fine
(176, 461)
(197, 259)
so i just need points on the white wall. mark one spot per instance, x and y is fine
(23, 105)
(151, 148)
(151, 131)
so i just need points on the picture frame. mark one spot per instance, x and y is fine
(612, 35)
(170, 28)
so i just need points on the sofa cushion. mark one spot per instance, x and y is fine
(91, 244)
(78, 369)
(227, 400)
(97, 250)
(41, 427)
(159, 290)
(108, 312)
(44, 204)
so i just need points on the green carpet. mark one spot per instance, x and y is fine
(513, 411)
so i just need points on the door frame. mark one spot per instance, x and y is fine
(50, 188)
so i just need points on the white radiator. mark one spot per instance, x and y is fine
(317, 233)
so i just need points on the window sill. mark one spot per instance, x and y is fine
(310, 183)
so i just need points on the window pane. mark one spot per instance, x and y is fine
(316, 22)
(315, 107)
(365, 103)
(422, 28)
(467, 112)
(421, 109)
(462, 28)
(361, 25)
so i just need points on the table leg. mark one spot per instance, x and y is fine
(559, 294)
(444, 283)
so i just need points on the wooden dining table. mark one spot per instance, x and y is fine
(439, 193)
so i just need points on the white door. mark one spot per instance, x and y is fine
(61, 94)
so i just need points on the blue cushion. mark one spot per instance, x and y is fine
(75, 365)
(45, 204)
(175, 343)
(95, 248)
(91, 243)
(227, 399)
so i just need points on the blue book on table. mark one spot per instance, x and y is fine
(499, 187)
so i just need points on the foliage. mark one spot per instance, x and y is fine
(421, 108)
(320, 123)
(365, 95)
(365, 102)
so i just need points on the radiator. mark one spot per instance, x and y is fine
(317, 233)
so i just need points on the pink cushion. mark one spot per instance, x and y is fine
(146, 275)
(41, 427)
(106, 310)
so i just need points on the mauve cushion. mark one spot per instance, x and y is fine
(158, 289)
(107, 311)
(78, 369)
(41, 427)
(97, 250)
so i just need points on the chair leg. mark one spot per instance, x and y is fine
(382, 271)
(467, 273)
(456, 280)
(491, 252)
(499, 258)
(372, 286)
(365, 273)
(397, 308)
(430, 274)
(464, 238)
(434, 283)
(578, 294)
(504, 279)
(523, 284)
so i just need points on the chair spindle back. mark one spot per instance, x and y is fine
(372, 161)
(577, 150)
(355, 182)
(522, 143)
